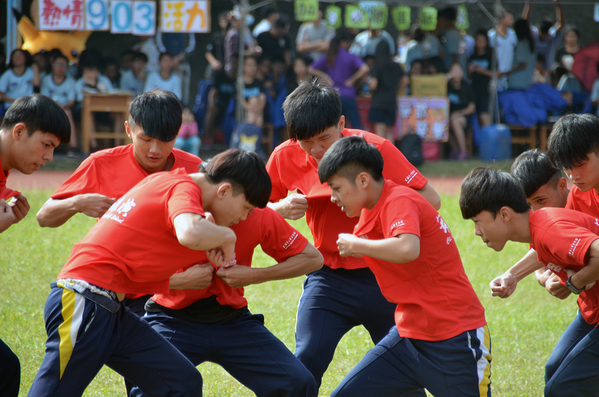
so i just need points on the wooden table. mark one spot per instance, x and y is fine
(109, 103)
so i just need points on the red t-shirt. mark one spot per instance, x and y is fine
(587, 202)
(262, 227)
(435, 300)
(112, 172)
(290, 169)
(562, 238)
(5, 193)
(133, 248)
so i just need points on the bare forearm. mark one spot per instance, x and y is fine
(400, 249)
(525, 266)
(55, 213)
(197, 233)
(307, 261)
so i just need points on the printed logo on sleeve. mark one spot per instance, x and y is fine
(411, 176)
(596, 222)
(118, 211)
(396, 225)
(573, 246)
(291, 239)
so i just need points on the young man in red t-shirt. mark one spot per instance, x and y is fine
(574, 147)
(330, 304)
(148, 234)
(544, 186)
(567, 242)
(214, 324)
(440, 341)
(105, 176)
(32, 127)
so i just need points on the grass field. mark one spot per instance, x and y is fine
(524, 328)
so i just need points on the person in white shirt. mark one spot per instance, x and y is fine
(165, 79)
(61, 88)
(504, 40)
(19, 79)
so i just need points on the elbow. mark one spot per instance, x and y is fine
(314, 260)
(42, 219)
(188, 238)
(317, 261)
(436, 202)
(410, 254)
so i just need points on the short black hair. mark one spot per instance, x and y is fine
(310, 109)
(350, 156)
(159, 113)
(140, 56)
(281, 23)
(546, 25)
(39, 113)
(573, 137)
(449, 13)
(486, 189)
(532, 169)
(61, 56)
(244, 170)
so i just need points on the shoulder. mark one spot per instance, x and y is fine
(187, 160)
(48, 79)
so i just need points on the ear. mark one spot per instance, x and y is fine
(341, 124)
(223, 189)
(562, 185)
(18, 131)
(128, 130)
(362, 180)
(505, 214)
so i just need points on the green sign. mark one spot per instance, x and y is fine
(462, 21)
(306, 10)
(428, 18)
(378, 18)
(402, 17)
(332, 14)
(355, 17)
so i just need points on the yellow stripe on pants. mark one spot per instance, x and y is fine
(64, 329)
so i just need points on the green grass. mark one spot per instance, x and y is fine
(524, 328)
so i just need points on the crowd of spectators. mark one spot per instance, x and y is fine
(367, 63)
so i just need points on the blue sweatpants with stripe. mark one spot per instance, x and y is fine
(456, 367)
(244, 347)
(333, 302)
(573, 367)
(87, 330)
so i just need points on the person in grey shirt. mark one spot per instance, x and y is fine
(365, 43)
(454, 43)
(313, 38)
(134, 79)
(525, 58)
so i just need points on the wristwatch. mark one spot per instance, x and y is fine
(572, 288)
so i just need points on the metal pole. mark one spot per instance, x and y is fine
(12, 36)
(240, 99)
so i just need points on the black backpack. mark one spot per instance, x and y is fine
(411, 147)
